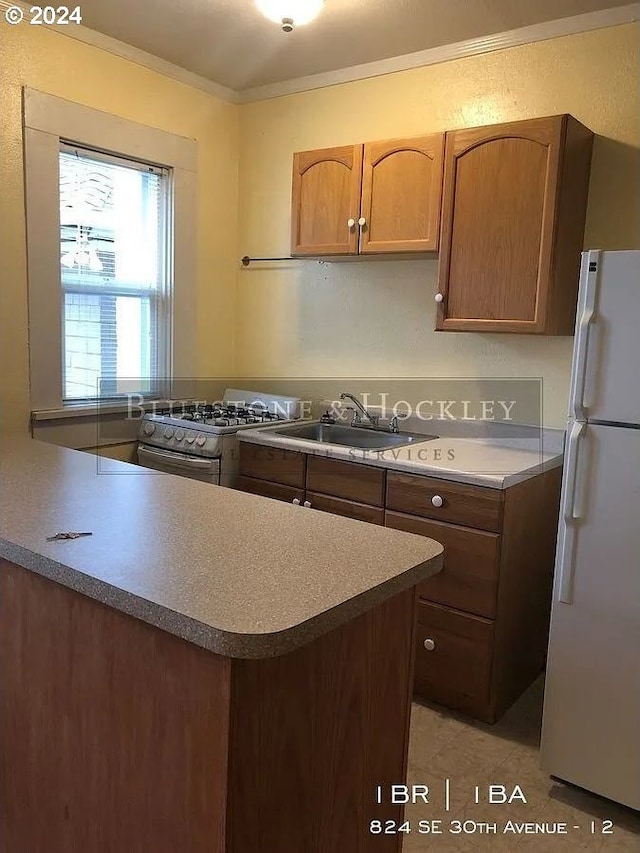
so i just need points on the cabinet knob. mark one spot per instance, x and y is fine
(438, 297)
(429, 644)
(307, 504)
(436, 500)
(362, 221)
(351, 223)
(296, 501)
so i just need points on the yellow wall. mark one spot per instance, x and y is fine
(375, 318)
(371, 318)
(62, 66)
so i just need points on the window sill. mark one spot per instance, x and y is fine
(92, 410)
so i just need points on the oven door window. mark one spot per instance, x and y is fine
(169, 462)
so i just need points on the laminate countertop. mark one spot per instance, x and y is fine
(238, 574)
(496, 463)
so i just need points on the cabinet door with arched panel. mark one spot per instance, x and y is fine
(401, 191)
(326, 201)
(513, 213)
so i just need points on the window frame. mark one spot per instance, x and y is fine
(49, 123)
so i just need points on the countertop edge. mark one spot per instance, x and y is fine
(492, 481)
(224, 643)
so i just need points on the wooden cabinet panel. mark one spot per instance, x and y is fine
(397, 193)
(513, 213)
(117, 737)
(460, 503)
(469, 577)
(487, 612)
(455, 669)
(270, 490)
(325, 195)
(489, 279)
(349, 480)
(98, 708)
(271, 463)
(351, 509)
(571, 212)
(314, 731)
(401, 191)
(526, 580)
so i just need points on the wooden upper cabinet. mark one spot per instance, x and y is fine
(391, 203)
(326, 195)
(401, 191)
(513, 212)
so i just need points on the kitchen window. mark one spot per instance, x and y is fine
(111, 249)
(114, 250)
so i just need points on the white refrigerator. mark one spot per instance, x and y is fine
(591, 722)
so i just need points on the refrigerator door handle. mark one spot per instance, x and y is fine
(589, 281)
(591, 363)
(565, 543)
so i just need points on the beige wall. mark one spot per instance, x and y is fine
(376, 318)
(62, 66)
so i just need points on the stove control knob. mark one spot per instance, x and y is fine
(149, 428)
(190, 438)
(168, 433)
(180, 435)
(201, 439)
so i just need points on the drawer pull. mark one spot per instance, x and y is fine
(307, 504)
(437, 501)
(429, 644)
(296, 501)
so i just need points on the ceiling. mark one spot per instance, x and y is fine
(230, 43)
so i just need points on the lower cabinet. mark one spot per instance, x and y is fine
(469, 578)
(339, 506)
(454, 655)
(271, 490)
(273, 464)
(361, 483)
(483, 621)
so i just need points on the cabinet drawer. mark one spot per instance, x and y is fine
(471, 506)
(469, 577)
(270, 490)
(272, 463)
(456, 672)
(349, 480)
(338, 506)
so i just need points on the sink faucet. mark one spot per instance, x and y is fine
(360, 411)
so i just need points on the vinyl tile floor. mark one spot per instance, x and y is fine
(445, 746)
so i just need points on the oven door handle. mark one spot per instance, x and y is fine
(178, 460)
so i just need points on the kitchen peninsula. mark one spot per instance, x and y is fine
(208, 671)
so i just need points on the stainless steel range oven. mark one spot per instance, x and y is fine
(198, 440)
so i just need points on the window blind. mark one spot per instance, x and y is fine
(113, 264)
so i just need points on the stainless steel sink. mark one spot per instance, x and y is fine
(348, 436)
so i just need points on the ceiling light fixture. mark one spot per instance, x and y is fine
(290, 13)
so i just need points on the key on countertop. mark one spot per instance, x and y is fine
(67, 536)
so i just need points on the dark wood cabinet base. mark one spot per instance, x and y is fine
(487, 611)
(481, 666)
(116, 736)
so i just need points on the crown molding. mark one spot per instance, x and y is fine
(459, 50)
(133, 54)
(445, 53)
